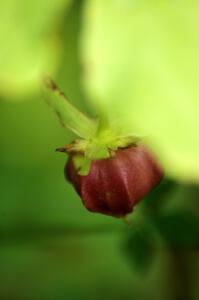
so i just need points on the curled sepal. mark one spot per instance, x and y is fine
(69, 115)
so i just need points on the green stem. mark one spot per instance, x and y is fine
(180, 276)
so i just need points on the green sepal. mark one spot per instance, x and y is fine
(82, 164)
(100, 147)
(69, 116)
(95, 153)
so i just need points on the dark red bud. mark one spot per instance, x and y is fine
(114, 185)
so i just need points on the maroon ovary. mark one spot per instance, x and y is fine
(115, 185)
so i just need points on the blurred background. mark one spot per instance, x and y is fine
(50, 246)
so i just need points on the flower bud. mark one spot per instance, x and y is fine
(115, 185)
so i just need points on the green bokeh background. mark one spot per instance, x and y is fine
(50, 246)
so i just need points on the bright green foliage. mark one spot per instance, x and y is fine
(29, 42)
(142, 70)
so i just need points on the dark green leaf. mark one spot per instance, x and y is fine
(140, 249)
(180, 229)
(156, 199)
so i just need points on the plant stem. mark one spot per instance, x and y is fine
(180, 276)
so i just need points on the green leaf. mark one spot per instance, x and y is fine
(142, 70)
(29, 42)
(68, 114)
(157, 199)
(140, 249)
(179, 229)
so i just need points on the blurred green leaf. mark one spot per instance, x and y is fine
(140, 249)
(29, 42)
(179, 229)
(142, 69)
